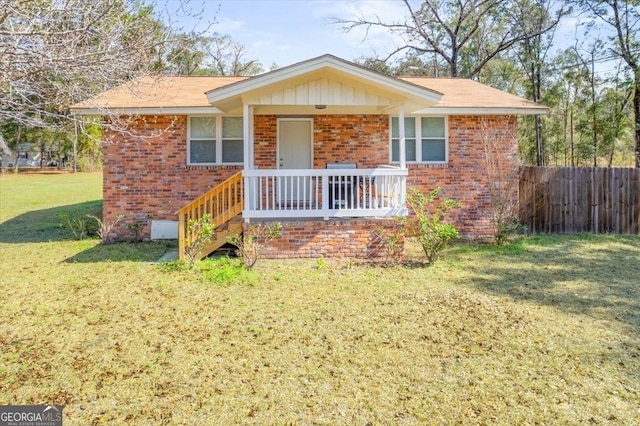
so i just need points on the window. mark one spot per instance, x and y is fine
(409, 141)
(232, 143)
(215, 140)
(425, 140)
(202, 147)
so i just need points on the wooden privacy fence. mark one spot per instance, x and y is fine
(580, 199)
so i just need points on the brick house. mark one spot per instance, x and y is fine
(325, 147)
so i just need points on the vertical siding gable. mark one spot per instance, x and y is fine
(323, 91)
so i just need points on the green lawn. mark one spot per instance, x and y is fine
(544, 331)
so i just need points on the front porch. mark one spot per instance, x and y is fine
(324, 193)
(294, 194)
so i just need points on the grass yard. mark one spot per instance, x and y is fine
(544, 331)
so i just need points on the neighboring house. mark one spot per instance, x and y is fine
(326, 147)
(31, 155)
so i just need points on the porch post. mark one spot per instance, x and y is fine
(247, 160)
(246, 135)
(252, 158)
(403, 155)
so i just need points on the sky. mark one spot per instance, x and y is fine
(283, 32)
(289, 31)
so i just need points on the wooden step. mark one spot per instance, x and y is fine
(228, 229)
(224, 204)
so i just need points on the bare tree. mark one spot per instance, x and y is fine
(53, 53)
(210, 55)
(464, 35)
(56, 53)
(227, 57)
(187, 56)
(623, 18)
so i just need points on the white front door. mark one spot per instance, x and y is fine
(295, 151)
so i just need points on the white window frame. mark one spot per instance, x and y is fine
(418, 132)
(218, 141)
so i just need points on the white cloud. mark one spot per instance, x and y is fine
(229, 26)
(365, 40)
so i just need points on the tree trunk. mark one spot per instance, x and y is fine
(42, 152)
(18, 133)
(75, 144)
(573, 161)
(594, 112)
(539, 145)
(636, 112)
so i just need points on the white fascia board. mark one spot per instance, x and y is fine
(481, 111)
(327, 61)
(148, 111)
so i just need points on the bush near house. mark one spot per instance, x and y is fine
(430, 226)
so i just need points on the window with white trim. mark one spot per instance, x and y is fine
(425, 140)
(215, 140)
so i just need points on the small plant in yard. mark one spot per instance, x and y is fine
(223, 271)
(507, 228)
(392, 242)
(249, 246)
(135, 229)
(106, 226)
(80, 226)
(202, 231)
(429, 226)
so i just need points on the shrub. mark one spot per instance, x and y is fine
(79, 225)
(249, 246)
(507, 228)
(392, 242)
(105, 226)
(502, 176)
(202, 231)
(429, 226)
(89, 164)
(135, 228)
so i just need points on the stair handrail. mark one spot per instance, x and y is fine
(222, 202)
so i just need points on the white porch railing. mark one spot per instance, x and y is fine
(292, 193)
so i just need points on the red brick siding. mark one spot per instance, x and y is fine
(361, 139)
(148, 177)
(349, 238)
(265, 134)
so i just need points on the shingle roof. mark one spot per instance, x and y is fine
(186, 92)
(465, 93)
(159, 92)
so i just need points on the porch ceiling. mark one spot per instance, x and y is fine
(339, 85)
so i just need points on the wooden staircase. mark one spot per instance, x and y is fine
(224, 204)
